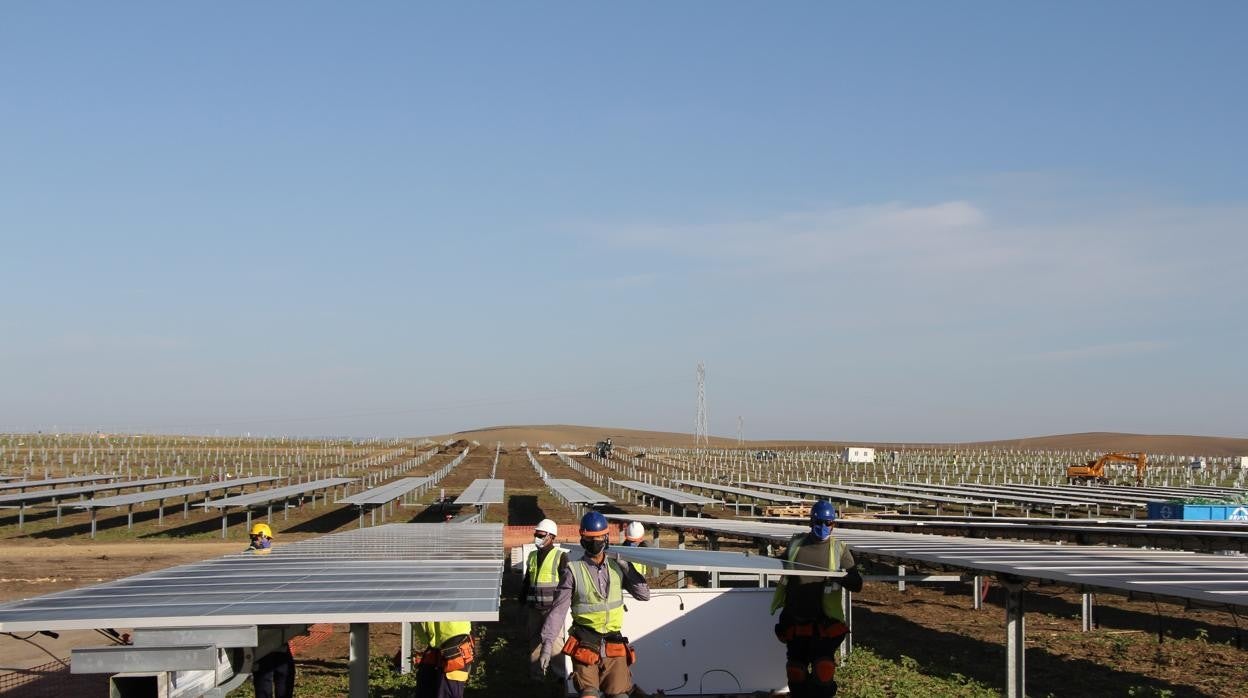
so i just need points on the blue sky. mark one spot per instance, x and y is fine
(902, 221)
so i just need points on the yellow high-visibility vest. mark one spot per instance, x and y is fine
(543, 579)
(831, 600)
(589, 608)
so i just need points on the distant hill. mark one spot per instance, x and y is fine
(1090, 441)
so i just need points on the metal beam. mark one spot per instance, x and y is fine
(123, 658)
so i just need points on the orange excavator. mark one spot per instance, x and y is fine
(1094, 470)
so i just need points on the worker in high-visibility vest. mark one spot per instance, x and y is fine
(593, 588)
(812, 622)
(537, 592)
(635, 537)
(446, 660)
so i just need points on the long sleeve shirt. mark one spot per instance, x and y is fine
(634, 584)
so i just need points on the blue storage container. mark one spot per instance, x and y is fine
(1176, 511)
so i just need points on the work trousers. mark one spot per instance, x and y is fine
(610, 677)
(273, 676)
(432, 682)
(812, 666)
(533, 620)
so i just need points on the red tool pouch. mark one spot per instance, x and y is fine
(457, 653)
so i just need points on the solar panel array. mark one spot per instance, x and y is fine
(574, 492)
(1215, 579)
(14, 483)
(834, 495)
(59, 494)
(390, 573)
(276, 494)
(484, 491)
(387, 492)
(666, 493)
(742, 492)
(122, 500)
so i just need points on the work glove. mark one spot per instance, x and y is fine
(544, 660)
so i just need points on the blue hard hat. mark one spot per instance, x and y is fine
(594, 524)
(823, 510)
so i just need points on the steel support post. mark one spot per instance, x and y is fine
(901, 572)
(1087, 611)
(186, 506)
(977, 593)
(680, 544)
(361, 517)
(160, 512)
(358, 661)
(1015, 639)
(130, 517)
(21, 515)
(405, 648)
(93, 522)
(225, 515)
(847, 605)
(373, 514)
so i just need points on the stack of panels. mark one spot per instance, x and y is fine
(482, 492)
(391, 573)
(277, 494)
(386, 493)
(574, 492)
(122, 500)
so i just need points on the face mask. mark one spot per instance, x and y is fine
(820, 530)
(539, 541)
(593, 546)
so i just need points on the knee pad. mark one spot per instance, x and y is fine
(796, 673)
(825, 671)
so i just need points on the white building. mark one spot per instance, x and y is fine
(858, 455)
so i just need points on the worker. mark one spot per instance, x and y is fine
(593, 587)
(273, 675)
(446, 660)
(537, 593)
(261, 538)
(635, 537)
(812, 622)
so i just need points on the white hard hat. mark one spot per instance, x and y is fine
(635, 531)
(548, 526)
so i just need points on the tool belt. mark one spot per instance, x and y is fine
(457, 653)
(453, 655)
(587, 646)
(789, 629)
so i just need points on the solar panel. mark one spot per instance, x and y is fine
(666, 493)
(15, 483)
(484, 491)
(714, 561)
(1217, 579)
(574, 492)
(834, 495)
(276, 494)
(122, 500)
(387, 492)
(743, 492)
(58, 494)
(390, 573)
